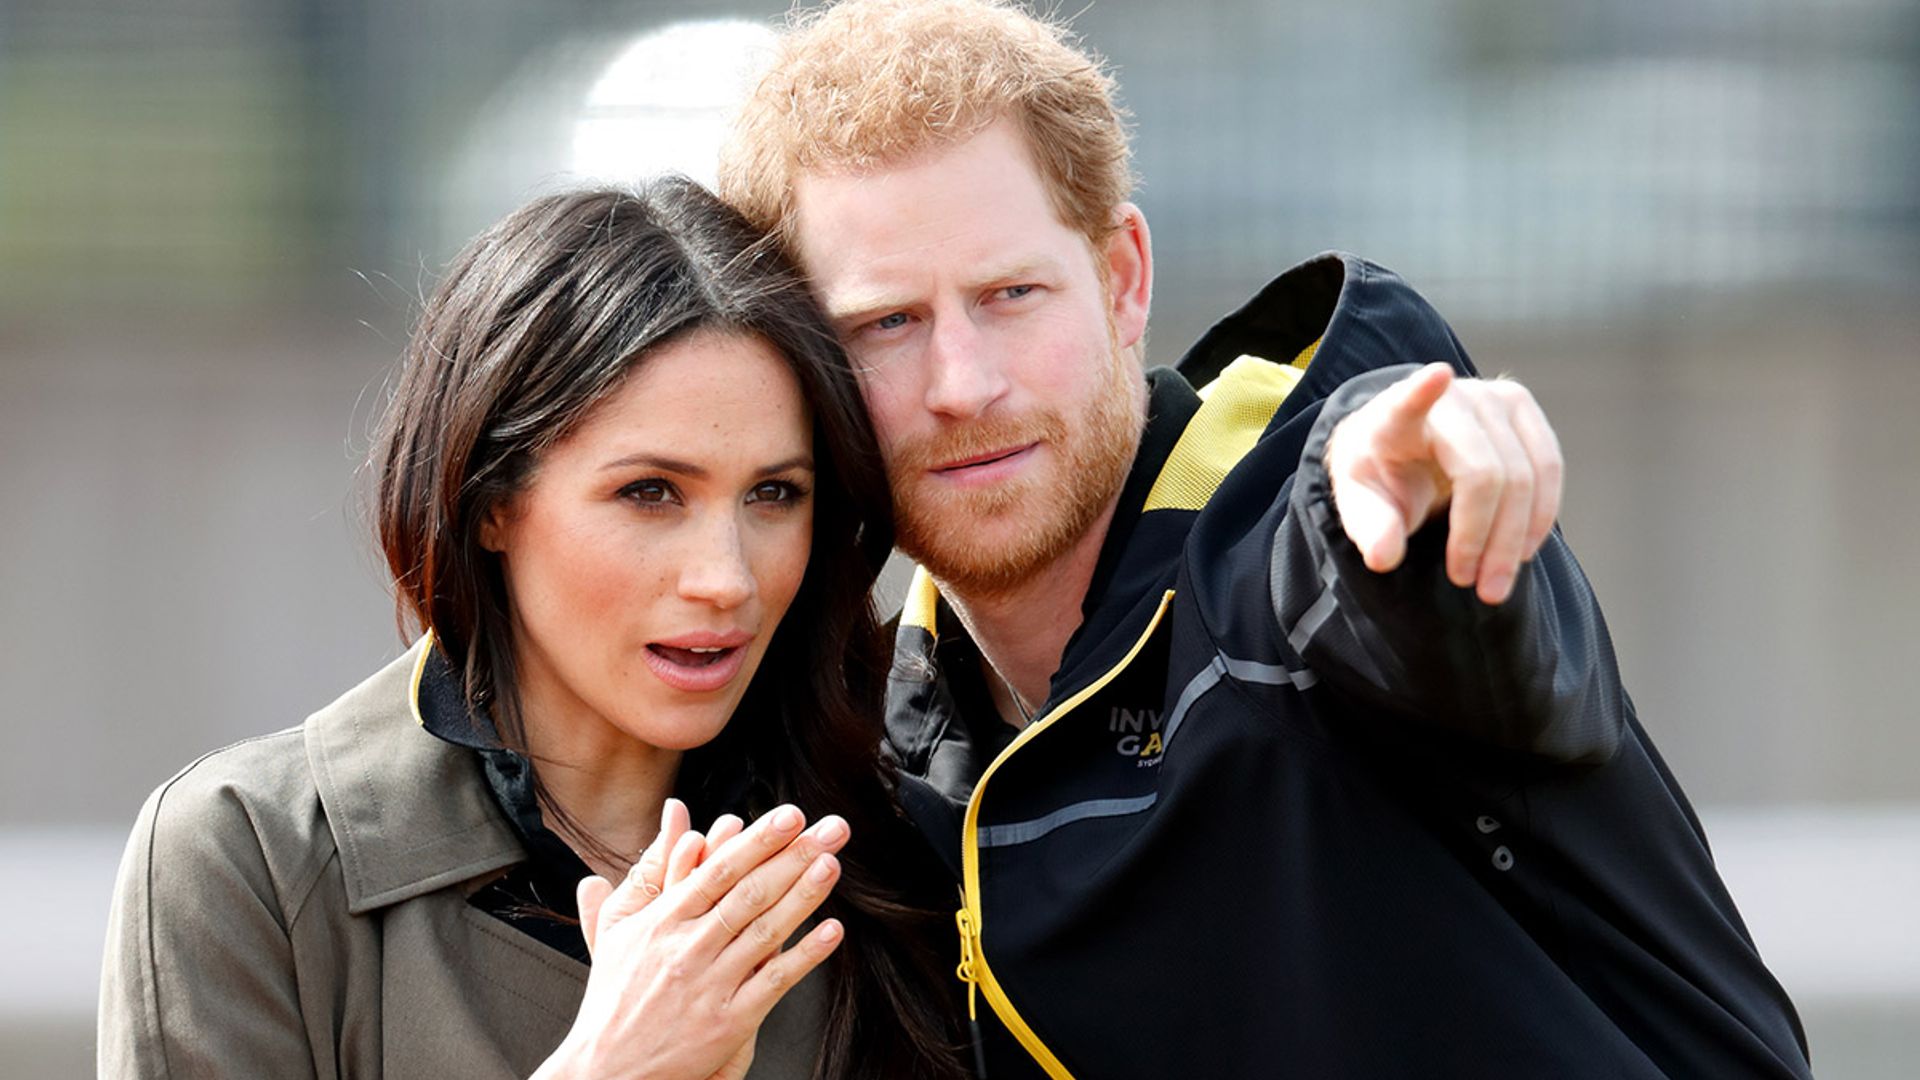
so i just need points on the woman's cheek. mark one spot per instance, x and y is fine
(785, 560)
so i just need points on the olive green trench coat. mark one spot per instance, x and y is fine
(295, 905)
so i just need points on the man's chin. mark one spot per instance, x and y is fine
(980, 553)
(976, 572)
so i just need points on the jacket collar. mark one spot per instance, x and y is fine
(1191, 441)
(410, 812)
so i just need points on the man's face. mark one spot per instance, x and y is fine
(991, 350)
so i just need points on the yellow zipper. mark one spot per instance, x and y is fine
(973, 969)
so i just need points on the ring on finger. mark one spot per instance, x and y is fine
(722, 916)
(642, 876)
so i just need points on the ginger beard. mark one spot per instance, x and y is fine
(1041, 514)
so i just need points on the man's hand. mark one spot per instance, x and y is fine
(1480, 449)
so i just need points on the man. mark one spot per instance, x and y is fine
(1270, 728)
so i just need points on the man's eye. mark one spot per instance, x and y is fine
(1015, 292)
(650, 492)
(891, 322)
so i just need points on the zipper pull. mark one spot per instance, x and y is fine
(964, 918)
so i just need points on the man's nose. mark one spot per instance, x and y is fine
(716, 570)
(964, 373)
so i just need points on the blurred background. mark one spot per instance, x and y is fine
(1693, 228)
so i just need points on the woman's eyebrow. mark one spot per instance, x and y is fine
(798, 461)
(655, 461)
(688, 468)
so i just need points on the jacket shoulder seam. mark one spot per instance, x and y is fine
(295, 904)
(290, 894)
(150, 957)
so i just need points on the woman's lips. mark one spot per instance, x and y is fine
(695, 669)
(986, 468)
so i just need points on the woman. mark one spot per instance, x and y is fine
(627, 492)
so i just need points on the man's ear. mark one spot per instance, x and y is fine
(1129, 266)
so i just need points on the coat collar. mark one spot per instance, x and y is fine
(410, 812)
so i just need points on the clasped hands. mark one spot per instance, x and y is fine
(1479, 449)
(687, 948)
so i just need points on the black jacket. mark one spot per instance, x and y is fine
(1284, 816)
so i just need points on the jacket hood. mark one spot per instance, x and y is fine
(1361, 315)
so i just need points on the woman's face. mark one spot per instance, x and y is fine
(657, 546)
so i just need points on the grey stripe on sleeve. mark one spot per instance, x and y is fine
(1251, 671)
(1270, 674)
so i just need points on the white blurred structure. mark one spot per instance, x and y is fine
(664, 104)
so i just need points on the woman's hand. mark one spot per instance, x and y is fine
(686, 949)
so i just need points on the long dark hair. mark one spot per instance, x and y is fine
(535, 322)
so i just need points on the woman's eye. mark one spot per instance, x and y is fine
(776, 491)
(650, 492)
(891, 322)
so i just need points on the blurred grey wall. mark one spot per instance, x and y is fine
(1694, 229)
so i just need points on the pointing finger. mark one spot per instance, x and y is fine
(1415, 396)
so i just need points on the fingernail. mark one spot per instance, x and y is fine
(786, 819)
(830, 831)
(822, 869)
(829, 932)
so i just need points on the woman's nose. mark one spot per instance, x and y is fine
(716, 570)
